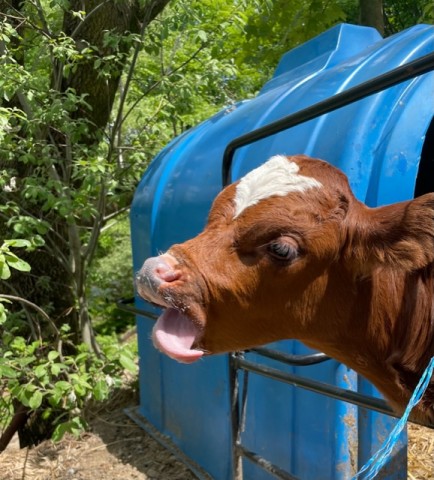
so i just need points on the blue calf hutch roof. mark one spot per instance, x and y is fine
(378, 142)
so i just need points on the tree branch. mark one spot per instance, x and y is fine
(32, 324)
(35, 307)
(96, 230)
(153, 8)
(89, 15)
(24, 20)
(157, 83)
(42, 18)
(112, 215)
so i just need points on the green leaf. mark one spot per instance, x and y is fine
(24, 361)
(8, 372)
(52, 355)
(81, 390)
(5, 272)
(35, 400)
(37, 240)
(54, 399)
(56, 368)
(19, 344)
(65, 328)
(62, 386)
(101, 390)
(15, 262)
(60, 431)
(58, 393)
(202, 35)
(127, 363)
(18, 243)
(3, 313)
(75, 426)
(24, 393)
(46, 413)
(40, 371)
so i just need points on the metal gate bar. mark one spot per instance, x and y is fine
(332, 391)
(295, 360)
(238, 363)
(238, 420)
(265, 464)
(389, 79)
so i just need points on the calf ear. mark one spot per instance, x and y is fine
(398, 236)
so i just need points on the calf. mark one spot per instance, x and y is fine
(290, 253)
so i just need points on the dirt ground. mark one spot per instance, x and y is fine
(117, 449)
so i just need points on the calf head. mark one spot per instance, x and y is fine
(280, 258)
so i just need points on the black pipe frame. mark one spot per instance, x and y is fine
(239, 362)
(389, 79)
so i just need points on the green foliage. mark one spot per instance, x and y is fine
(402, 14)
(105, 287)
(184, 73)
(9, 260)
(52, 376)
(58, 385)
(278, 26)
(46, 132)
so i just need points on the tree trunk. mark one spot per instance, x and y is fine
(371, 14)
(114, 17)
(17, 423)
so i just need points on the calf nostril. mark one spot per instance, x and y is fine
(165, 273)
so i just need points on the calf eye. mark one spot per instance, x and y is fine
(282, 251)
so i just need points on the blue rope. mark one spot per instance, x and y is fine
(377, 461)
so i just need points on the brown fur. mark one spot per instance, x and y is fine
(360, 289)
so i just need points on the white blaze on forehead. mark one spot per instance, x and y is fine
(278, 176)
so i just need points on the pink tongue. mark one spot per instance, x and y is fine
(174, 334)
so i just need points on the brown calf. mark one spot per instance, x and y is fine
(289, 253)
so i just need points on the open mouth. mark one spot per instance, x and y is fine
(175, 334)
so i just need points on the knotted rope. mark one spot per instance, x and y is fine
(377, 461)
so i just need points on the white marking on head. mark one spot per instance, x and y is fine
(278, 176)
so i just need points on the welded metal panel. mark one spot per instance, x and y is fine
(377, 142)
